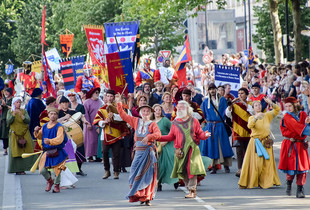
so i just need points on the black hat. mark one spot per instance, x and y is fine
(212, 86)
(64, 99)
(110, 91)
(187, 91)
(256, 85)
(10, 90)
(36, 92)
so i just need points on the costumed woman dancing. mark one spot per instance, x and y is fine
(20, 140)
(165, 149)
(259, 167)
(294, 158)
(142, 178)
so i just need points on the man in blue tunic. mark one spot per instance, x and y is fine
(54, 156)
(217, 147)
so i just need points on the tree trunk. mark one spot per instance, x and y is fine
(277, 32)
(297, 29)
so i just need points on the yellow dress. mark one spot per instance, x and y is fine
(256, 171)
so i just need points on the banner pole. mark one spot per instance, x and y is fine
(116, 43)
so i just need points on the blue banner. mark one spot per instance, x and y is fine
(125, 33)
(228, 75)
(9, 68)
(127, 68)
(77, 65)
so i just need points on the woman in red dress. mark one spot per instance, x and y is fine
(294, 158)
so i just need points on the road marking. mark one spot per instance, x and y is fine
(199, 200)
(12, 193)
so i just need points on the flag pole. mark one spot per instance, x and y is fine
(116, 43)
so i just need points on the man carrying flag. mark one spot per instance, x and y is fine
(146, 74)
(185, 56)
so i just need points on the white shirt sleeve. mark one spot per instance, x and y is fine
(101, 124)
(117, 117)
(250, 109)
(196, 115)
(228, 113)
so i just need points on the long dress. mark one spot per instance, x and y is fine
(217, 146)
(187, 135)
(259, 171)
(294, 157)
(142, 178)
(91, 135)
(19, 127)
(166, 156)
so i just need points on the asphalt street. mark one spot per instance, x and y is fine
(217, 191)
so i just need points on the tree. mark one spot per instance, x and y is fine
(296, 10)
(277, 32)
(9, 11)
(264, 35)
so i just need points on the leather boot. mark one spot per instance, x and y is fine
(106, 175)
(192, 194)
(227, 170)
(56, 188)
(116, 174)
(300, 191)
(289, 187)
(49, 185)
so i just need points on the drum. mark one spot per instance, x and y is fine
(76, 117)
(74, 132)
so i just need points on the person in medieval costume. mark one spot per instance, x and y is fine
(166, 74)
(142, 178)
(87, 81)
(53, 143)
(186, 133)
(217, 147)
(29, 78)
(91, 105)
(146, 74)
(34, 108)
(294, 157)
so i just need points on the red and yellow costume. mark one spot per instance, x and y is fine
(29, 81)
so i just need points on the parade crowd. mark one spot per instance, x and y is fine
(166, 133)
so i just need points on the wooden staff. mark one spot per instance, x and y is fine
(25, 155)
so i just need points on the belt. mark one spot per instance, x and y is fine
(293, 141)
(213, 128)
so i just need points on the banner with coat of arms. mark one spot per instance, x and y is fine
(124, 32)
(120, 72)
(95, 43)
(36, 66)
(66, 41)
(53, 59)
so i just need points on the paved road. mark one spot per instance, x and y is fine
(219, 191)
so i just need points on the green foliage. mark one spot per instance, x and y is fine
(264, 35)
(9, 12)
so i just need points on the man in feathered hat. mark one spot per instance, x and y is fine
(87, 81)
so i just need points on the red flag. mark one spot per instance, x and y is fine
(48, 76)
(43, 28)
(185, 56)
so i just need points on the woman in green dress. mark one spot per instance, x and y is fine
(20, 140)
(165, 150)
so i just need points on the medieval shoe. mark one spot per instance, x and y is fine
(192, 194)
(289, 187)
(116, 174)
(238, 173)
(176, 185)
(49, 185)
(56, 188)
(148, 203)
(213, 170)
(106, 175)
(227, 170)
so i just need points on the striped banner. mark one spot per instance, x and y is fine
(66, 68)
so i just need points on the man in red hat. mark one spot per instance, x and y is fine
(294, 157)
(87, 81)
(113, 130)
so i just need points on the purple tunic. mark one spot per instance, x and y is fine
(91, 135)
